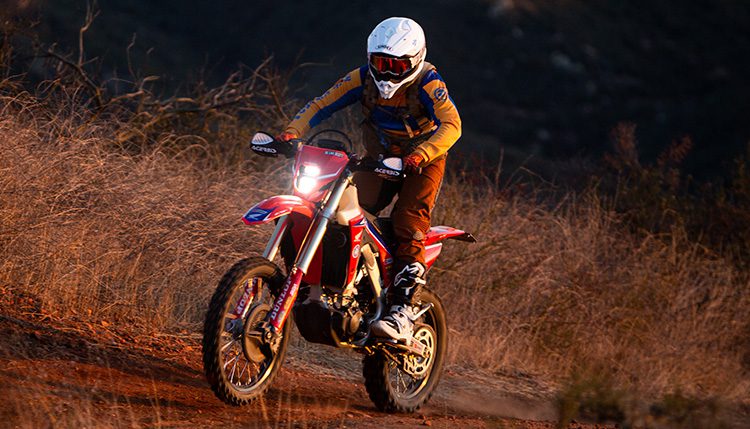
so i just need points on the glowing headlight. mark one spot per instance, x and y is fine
(308, 178)
(310, 170)
(306, 184)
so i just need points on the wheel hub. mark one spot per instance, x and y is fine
(415, 365)
(252, 341)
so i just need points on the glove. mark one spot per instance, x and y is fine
(412, 163)
(289, 148)
(286, 136)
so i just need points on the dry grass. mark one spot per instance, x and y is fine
(562, 290)
(96, 232)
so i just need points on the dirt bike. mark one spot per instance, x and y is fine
(337, 261)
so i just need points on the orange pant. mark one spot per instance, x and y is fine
(411, 213)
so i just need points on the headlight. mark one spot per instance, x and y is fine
(310, 170)
(306, 184)
(308, 178)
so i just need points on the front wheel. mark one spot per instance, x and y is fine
(237, 368)
(405, 384)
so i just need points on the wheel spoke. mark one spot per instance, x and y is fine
(227, 345)
(244, 368)
(401, 380)
(231, 360)
(407, 380)
(234, 369)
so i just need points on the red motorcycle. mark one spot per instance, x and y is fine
(337, 270)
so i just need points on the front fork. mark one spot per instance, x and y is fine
(283, 304)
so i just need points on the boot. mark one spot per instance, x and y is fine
(398, 324)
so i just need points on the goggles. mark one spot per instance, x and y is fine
(396, 67)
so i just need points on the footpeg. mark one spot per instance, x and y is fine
(422, 311)
(410, 345)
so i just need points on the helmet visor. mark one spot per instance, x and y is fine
(395, 67)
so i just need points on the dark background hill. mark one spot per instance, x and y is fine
(534, 78)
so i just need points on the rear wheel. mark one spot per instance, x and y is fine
(405, 384)
(238, 367)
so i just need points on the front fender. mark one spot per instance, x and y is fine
(275, 207)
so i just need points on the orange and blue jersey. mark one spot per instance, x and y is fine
(443, 121)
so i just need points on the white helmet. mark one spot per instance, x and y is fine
(396, 50)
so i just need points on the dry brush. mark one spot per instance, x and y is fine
(96, 232)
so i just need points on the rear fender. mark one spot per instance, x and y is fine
(431, 253)
(440, 233)
(275, 207)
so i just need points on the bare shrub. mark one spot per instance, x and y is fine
(195, 117)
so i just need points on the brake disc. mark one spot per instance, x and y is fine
(252, 340)
(415, 365)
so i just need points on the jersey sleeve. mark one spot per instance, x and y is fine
(344, 92)
(434, 95)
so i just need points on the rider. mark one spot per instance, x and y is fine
(408, 113)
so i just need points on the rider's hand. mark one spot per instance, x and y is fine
(286, 136)
(412, 163)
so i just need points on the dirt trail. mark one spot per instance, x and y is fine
(55, 374)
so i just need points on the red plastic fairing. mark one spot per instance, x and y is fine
(386, 260)
(277, 206)
(356, 232)
(329, 164)
(438, 233)
(431, 253)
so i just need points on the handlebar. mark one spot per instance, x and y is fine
(388, 168)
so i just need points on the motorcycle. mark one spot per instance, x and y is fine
(337, 268)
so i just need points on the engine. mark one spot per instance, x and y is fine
(334, 315)
(327, 317)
